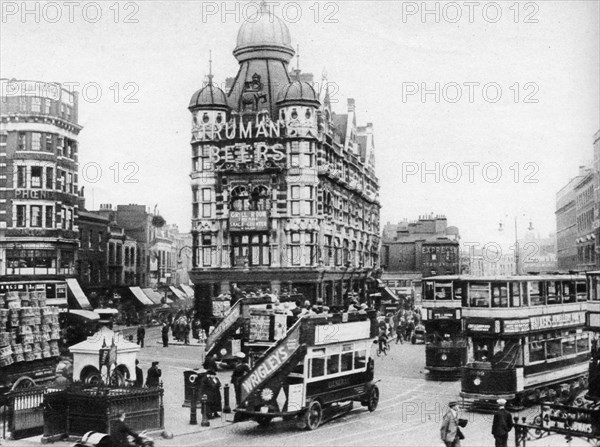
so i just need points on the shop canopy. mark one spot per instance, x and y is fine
(188, 290)
(141, 296)
(85, 314)
(78, 294)
(387, 292)
(155, 296)
(178, 293)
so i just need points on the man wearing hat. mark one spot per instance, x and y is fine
(502, 424)
(240, 370)
(449, 430)
(153, 377)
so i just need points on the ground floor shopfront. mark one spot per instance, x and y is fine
(334, 287)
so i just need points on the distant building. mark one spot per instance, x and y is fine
(413, 250)
(566, 223)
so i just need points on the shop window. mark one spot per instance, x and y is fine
(36, 216)
(21, 177)
(50, 216)
(21, 215)
(36, 139)
(36, 176)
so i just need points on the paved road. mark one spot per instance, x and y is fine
(409, 413)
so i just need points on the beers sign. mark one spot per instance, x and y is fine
(255, 153)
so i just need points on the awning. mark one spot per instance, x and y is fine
(188, 290)
(389, 292)
(86, 314)
(155, 297)
(78, 294)
(178, 293)
(141, 296)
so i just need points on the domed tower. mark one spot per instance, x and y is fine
(264, 50)
(209, 106)
(297, 105)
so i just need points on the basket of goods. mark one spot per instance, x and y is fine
(5, 338)
(2, 300)
(6, 357)
(24, 297)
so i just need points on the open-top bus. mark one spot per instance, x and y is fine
(527, 339)
(323, 361)
(446, 346)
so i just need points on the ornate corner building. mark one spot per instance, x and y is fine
(285, 195)
(38, 186)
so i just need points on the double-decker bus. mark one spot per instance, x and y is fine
(446, 346)
(527, 339)
(315, 372)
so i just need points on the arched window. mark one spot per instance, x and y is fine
(294, 113)
(308, 114)
(346, 251)
(205, 118)
(239, 199)
(259, 199)
(219, 118)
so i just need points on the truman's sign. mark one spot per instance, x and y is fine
(237, 130)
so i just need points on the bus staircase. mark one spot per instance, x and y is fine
(233, 320)
(267, 376)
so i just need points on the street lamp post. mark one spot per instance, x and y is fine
(517, 255)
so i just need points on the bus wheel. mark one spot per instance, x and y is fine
(263, 421)
(373, 398)
(313, 415)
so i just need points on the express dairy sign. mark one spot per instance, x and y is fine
(271, 363)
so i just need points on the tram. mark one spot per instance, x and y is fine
(593, 324)
(446, 346)
(315, 372)
(527, 339)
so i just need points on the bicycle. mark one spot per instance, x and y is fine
(383, 348)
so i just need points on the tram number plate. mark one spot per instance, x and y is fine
(264, 409)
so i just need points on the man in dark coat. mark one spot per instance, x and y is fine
(240, 370)
(139, 375)
(211, 386)
(119, 432)
(502, 424)
(154, 373)
(165, 334)
(211, 363)
(141, 334)
(450, 429)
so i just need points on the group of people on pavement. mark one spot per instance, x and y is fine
(152, 376)
(451, 433)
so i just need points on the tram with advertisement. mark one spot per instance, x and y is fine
(592, 397)
(445, 345)
(315, 372)
(527, 339)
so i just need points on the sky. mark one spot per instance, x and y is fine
(482, 111)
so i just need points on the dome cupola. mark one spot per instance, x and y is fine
(264, 36)
(209, 97)
(297, 93)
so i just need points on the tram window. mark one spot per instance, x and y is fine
(568, 292)
(515, 294)
(479, 294)
(568, 343)
(553, 293)
(536, 348)
(458, 292)
(429, 287)
(595, 288)
(536, 295)
(553, 345)
(333, 364)
(443, 291)
(581, 291)
(583, 344)
(499, 295)
(360, 359)
(317, 367)
(481, 352)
